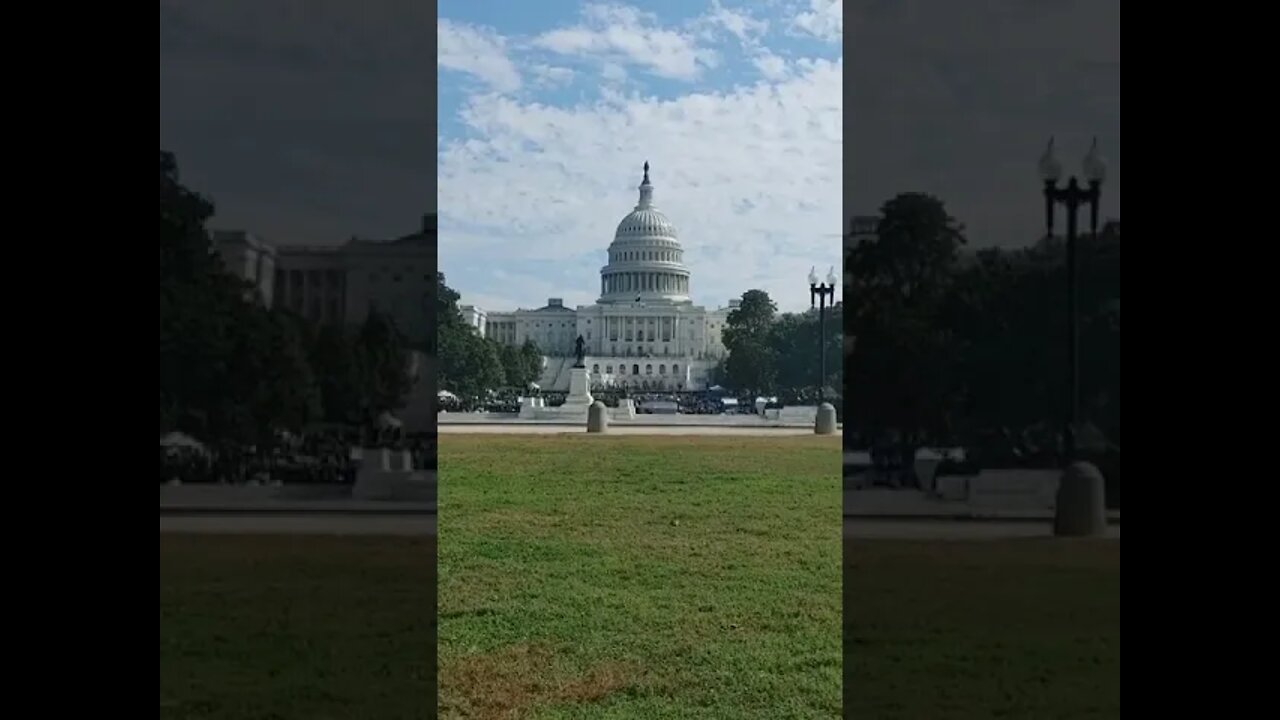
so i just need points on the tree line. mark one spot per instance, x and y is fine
(952, 346)
(771, 353)
(472, 365)
(234, 371)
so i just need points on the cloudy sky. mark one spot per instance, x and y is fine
(548, 110)
(307, 121)
(959, 98)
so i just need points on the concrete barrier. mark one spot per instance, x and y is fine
(1081, 509)
(597, 418)
(824, 422)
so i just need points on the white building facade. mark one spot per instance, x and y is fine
(644, 332)
(340, 284)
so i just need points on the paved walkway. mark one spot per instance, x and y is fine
(952, 530)
(545, 429)
(242, 523)
(881, 504)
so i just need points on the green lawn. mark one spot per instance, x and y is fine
(639, 577)
(296, 627)
(968, 630)
(631, 576)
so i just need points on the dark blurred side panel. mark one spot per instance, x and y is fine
(297, 359)
(982, 426)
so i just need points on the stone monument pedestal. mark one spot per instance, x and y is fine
(579, 397)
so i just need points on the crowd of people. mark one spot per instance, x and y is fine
(507, 400)
(324, 456)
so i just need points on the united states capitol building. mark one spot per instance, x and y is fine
(643, 333)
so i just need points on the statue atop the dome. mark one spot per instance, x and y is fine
(580, 351)
(646, 173)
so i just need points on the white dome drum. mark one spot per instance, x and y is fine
(646, 261)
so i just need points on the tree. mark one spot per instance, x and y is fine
(335, 357)
(752, 364)
(521, 365)
(795, 342)
(902, 375)
(452, 338)
(384, 363)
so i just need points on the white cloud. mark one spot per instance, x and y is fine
(619, 33)
(613, 72)
(552, 76)
(751, 177)
(824, 20)
(741, 25)
(771, 66)
(476, 51)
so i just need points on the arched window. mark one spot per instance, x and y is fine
(662, 369)
(595, 369)
(675, 369)
(648, 369)
(635, 369)
(608, 369)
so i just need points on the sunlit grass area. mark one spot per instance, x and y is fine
(639, 576)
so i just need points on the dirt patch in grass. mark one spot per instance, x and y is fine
(510, 682)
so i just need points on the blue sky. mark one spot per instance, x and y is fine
(548, 109)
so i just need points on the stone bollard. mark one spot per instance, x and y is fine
(597, 418)
(1081, 503)
(824, 423)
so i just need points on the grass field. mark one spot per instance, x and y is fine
(296, 627)
(639, 577)
(658, 577)
(983, 629)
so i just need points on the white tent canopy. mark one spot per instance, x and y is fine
(176, 440)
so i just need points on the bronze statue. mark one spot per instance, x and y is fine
(580, 350)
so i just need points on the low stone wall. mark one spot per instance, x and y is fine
(1014, 488)
(618, 416)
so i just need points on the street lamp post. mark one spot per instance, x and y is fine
(1072, 197)
(824, 296)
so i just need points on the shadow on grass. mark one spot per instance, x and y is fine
(297, 627)
(982, 629)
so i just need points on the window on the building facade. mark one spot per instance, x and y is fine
(648, 369)
(608, 369)
(595, 369)
(662, 369)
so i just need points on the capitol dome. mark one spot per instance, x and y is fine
(646, 261)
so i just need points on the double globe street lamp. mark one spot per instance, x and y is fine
(1072, 197)
(823, 296)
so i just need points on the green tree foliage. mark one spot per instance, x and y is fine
(752, 365)
(795, 342)
(470, 365)
(384, 363)
(335, 355)
(901, 377)
(947, 351)
(230, 371)
(521, 365)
